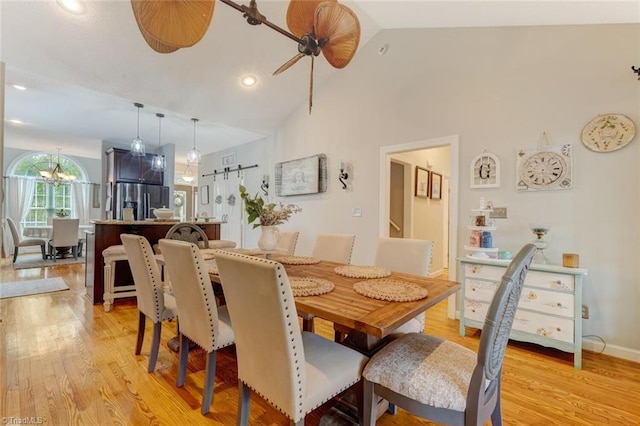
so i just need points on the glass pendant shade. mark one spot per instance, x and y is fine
(137, 145)
(193, 156)
(158, 163)
(188, 175)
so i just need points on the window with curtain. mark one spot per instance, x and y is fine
(49, 200)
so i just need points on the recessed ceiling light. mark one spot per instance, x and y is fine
(249, 80)
(19, 87)
(73, 6)
(16, 121)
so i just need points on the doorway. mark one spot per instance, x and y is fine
(448, 219)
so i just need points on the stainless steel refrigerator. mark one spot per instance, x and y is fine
(141, 198)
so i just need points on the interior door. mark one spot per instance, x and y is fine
(396, 201)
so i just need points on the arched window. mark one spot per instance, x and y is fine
(49, 199)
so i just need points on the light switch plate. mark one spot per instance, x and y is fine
(356, 212)
(499, 213)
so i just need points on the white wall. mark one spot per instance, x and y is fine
(499, 89)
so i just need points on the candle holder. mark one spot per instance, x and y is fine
(540, 230)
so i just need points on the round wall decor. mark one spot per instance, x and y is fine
(608, 132)
(544, 168)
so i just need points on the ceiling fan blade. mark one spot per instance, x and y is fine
(338, 33)
(180, 23)
(300, 15)
(155, 44)
(289, 63)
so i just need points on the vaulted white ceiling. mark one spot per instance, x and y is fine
(83, 72)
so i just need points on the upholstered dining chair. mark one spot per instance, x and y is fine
(333, 247)
(407, 255)
(295, 372)
(441, 380)
(201, 321)
(64, 234)
(287, 242)
(28, 242)
(152, 301)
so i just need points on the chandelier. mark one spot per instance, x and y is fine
(55, 175)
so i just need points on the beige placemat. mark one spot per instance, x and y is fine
(391, 290)
(309, 286)
(296, 260)
(248, 252)
(208, 254)
(355, 271)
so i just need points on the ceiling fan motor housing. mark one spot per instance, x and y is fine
(309, 45)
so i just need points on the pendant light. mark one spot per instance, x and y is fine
(157, 163)
(188, 175)
(137, 145)
(193, 156)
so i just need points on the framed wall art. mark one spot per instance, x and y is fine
(544, 168)
(204, 194)
(485, 171)
(302, 176)
(436, 186)
(422, 182)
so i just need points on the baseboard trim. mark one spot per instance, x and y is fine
(595, 345)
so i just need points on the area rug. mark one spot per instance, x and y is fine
(29, 287)
(25, 261)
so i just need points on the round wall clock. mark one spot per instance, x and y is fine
(485, 171)
(608, 132)
(548, 168)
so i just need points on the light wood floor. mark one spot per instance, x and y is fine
(70, 363)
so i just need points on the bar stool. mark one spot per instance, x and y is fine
(111, 255)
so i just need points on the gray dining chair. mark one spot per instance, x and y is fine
(444, 381)
(28, 242)
(201, 321)
(153, 302)
(296, 372)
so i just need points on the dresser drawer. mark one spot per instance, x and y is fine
(479, 290)
(475, 310)
(543, 325)
(493, 273)
(550, 280)
(548, 302)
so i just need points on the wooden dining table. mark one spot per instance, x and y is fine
(376, 319)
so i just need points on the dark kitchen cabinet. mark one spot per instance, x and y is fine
(124, 167)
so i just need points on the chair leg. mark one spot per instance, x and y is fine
(307, 323)
(15, 254)
(370, 405)
(209, 382)
(142, 318)
(243, 404)
(184, 356)
(496, 414)
(44, 253)
(155, 345)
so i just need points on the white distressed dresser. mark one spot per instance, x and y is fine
(550, 308)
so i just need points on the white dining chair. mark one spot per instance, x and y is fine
(294, 372)
(153, 302)
(201, 321)
(27, 242)
(64, 234)
(407, 255)
(442, 380)
(334, 247)
(287, 242)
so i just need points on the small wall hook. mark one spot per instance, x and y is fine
(265, 185)
(342, 177)
(636, 70)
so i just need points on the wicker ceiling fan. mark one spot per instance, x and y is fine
(316, 25)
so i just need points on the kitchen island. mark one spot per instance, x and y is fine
(107, 233)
